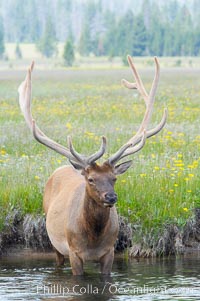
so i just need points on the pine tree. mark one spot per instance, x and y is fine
(168, 40)
(85, 40)
(18, 52)
(187, 32)
(2, 47)
(110, 40)
(47, 44)
(68, 54)
(197, 40)
(89, 38)
(125, 35)
(155, 40)
(139, 39)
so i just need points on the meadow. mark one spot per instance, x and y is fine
(162, 186)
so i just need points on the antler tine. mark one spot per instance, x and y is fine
(32, 66)
(137, 147)
(90, 159)
(25, 105)
(155, 81)
(25, 97)
(159, 127)
(127, 150)
(77, 156)
(136, 142)
(114, 158)
(99, 153)
(138, 82)
(149, 103)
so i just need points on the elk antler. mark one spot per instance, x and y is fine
(80, 161)
(138, 140)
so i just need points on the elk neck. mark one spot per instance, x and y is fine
(96, 219)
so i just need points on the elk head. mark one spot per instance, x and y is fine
(100, 179)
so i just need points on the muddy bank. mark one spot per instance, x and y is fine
(29, 231)
(173, 240)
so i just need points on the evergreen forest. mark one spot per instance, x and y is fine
(103, 28)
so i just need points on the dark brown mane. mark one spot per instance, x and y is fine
(96, 220)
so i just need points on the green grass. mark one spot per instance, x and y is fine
(162, 186)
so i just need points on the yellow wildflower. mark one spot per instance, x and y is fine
(3, 152)
(68, 126)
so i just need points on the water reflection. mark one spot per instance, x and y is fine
(37, 278)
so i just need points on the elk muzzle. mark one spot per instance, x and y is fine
(110, 198)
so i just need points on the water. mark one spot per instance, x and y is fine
(35, 277)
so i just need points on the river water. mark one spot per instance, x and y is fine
(35, 277)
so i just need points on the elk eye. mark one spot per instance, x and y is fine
(114, 180)
(91, 180)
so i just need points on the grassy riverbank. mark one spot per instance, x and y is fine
(162, 187)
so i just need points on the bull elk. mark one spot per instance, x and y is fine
(79, 200)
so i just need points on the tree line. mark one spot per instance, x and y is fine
(165, 28)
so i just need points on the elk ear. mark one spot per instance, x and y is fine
(121, 168)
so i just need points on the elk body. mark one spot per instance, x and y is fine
(79, 199)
